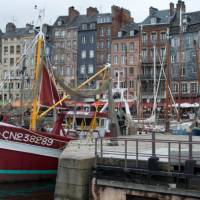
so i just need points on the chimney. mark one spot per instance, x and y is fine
(72, 13)
(171, 9)
(183, 7)
(92, 11)
(152, 11)
(180, 5)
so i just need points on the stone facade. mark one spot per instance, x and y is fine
(125, 59)
(14, 41)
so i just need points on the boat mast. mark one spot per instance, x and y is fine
(167, 82)
(22, 87)
(180, 64)
(38, 55)
(154, 81)
(38, 63)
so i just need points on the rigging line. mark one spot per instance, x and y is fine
(162, 70)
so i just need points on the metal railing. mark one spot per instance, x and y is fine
(171, 152)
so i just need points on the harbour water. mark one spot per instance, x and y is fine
(43, 190)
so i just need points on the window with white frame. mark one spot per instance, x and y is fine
(131, 47)
(182, 71)
(153, 37)
(163, 36)
(115, 59)
(175, 87)
(92, 39)
(153, 20)
(101, 31)
(84, 26)
(193, 87)
(69, 71)
(131, 59)
(91, 53)
(162, 53)
(83, 54)
(132, 33)
(123, 59)
(144, 53)
(108, 31)
(184, 87)
(144, 37)
(82, 69)
(172, 58)
(83, 39)
(90, 69)
(115, 48)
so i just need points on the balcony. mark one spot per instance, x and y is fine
(151, 76)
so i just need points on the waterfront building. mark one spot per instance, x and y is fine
(108, 25)
(64, 45)
(125, 59)
(14, 42)
(86, 51)
(153, 39)
(184, 34)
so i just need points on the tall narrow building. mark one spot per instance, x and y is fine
(14, 42)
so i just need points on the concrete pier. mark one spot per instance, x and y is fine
(139, 167)
(74, 171)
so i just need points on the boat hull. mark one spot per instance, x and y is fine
(24, 166)
(28, 155)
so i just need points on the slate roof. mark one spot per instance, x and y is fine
(193, 17)
(17, 33)
(162, 16)
(80, 19)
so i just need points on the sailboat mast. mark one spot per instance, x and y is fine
(180, 64)
(154, 80)
(38, 55)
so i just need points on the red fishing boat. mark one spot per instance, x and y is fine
(29, 154)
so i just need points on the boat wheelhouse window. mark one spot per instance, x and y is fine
(102, 123)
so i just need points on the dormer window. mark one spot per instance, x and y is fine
(59, 23)
(132, 33)
(84, 26)
(119, 34)
(153, 20)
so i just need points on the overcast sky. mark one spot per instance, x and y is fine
(22, 11)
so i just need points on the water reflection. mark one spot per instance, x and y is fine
(42, 190)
